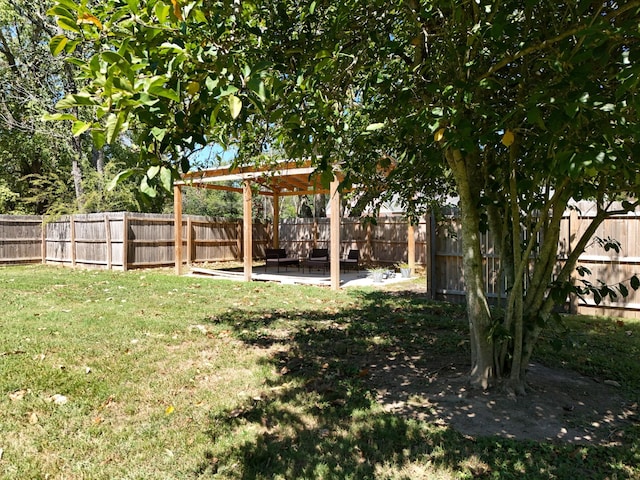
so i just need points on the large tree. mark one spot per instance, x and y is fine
(521, 106)
(33, 156)
(44, 167)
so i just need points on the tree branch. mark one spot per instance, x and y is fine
(547, 43)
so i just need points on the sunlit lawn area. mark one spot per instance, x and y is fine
(145, 375)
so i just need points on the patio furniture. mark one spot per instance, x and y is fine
(277, 257)
(318, 258)
(352, 260)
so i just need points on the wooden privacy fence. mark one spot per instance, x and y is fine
(124, 240)
(385, 242)
(610, 267)
(121, 240)
(131, 240)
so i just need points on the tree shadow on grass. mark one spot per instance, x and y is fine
(320, 417)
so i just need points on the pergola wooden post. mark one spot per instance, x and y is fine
(411, 247)
(247, 230)
(276, 220)
(335, 235)
(177, 228)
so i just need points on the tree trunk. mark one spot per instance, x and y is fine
(482, 372)
(76, 173)
(97, 159)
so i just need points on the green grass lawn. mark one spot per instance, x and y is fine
(145, 375)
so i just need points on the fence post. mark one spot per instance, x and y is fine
(239, 240)
(411, 246)
(430, 256)
(275, 230)
(314, 231)
(368, 250)
(73, 239)
(107, 234)
(190, 245)
(43, 247)
(573, 227)
(177, 229)
(125, 241)
(247, 223)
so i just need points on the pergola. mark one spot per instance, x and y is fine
(281, 179)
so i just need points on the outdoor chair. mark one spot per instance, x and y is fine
(318, 258)
(277, 257)
(352, 261)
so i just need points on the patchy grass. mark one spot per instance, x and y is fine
(142, 374)
(599, 347)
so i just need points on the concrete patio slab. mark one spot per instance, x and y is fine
(360, 278)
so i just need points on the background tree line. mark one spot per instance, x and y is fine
(44, 167)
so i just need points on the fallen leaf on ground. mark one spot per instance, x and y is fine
(18, 395)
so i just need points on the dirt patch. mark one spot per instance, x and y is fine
(560, 405)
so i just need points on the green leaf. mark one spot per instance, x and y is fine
(571, 109)
(166, 178)
(76, 100)
(63, 12)
(184, 164)
(597, 297)
(228, 90)
(57, 44)
(159, 91)
(79, 127)
(113, 57)
(71, 48)
(214, 116)
(120, 177)
(113, 126)
(162, 11)
(323, 54)
(68, 24)
(534, 116)
(172, 46)
(147, 189)
(326, 177)
(71, 5)
(235, 106)
(158, 133)
(635, 282)
(624, 291)
(153, 171)
(134, 4)
(211, 83)
(374, 126)
(98, 137)
(48, 117)
(256, 85)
